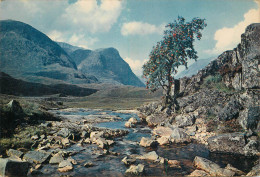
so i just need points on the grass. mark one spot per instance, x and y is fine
(215, 82)
(22, 137)
(109, 103)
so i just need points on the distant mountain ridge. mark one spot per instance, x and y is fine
(106, 65)
(194, 68)
(28, 54)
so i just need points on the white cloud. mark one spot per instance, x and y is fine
(136, 65)
(228, 38)
(80, 40)
(64, 21)
(93, 17)
(140, 28)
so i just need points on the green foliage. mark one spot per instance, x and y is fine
(215, 82)
(213, 79)
(173, 51)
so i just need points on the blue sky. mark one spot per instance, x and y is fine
(134, 26)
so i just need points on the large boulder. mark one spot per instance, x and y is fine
(179, 136)
(184, 120)
(230, 110)
(232, 143)
(255, 170)
(135, 170)
(56, 159)
(36, 157)
(210, 167)
(249, 118)
(14, 106)
(64, 132)
(148, 142)
(150, 156)
(13, 167)
(14, 153)
(162, 131)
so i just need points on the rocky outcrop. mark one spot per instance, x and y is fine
(36, 157)
(233, 143)
(239, 67)
(211, 168)
(13, 167)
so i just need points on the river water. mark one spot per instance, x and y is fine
(111, 165)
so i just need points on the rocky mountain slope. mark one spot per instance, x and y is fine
(68, 48)
(29, 54)
(219, 106)
(105, 64)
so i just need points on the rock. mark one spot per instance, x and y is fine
(249, 118)
(255, 171)
(147, 142)
(150, 156)
(96, 134)
(128, 161)
(184, 120)
(65, 163)
(14, 153)
(57, 158)
(13, 167)
(87, 140)
(102, 143)
(251, 148)
(35, 172)
(230, 110)
(65, 141)
(35, 137)
(179, 136)
(211, 167)
(36, 157)
(89, 164)
(133, 120)
(14, 106)
(162, 131)
(174, 163)
(237, 171)
(64, 132)
(199, 173)
(163, 140)
(65, 169)
(110, 142)
(230, 143)
(135, 170)
(129, 125)
(84, 134)
(73, 161)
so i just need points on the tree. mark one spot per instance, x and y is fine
(173, 51)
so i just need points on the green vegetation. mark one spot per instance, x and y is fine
(22, 137)
(172, 51)
(215, 82)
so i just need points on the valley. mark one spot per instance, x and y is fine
(70, 111)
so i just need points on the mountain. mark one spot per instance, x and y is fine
(18, 87)
(194, 68)
(106, 65)
(67, 47)
(29, 54)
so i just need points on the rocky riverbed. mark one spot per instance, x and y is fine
(94, 142)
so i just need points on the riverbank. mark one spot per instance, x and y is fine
(95, 142)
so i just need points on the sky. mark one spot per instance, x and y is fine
(133, 27)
